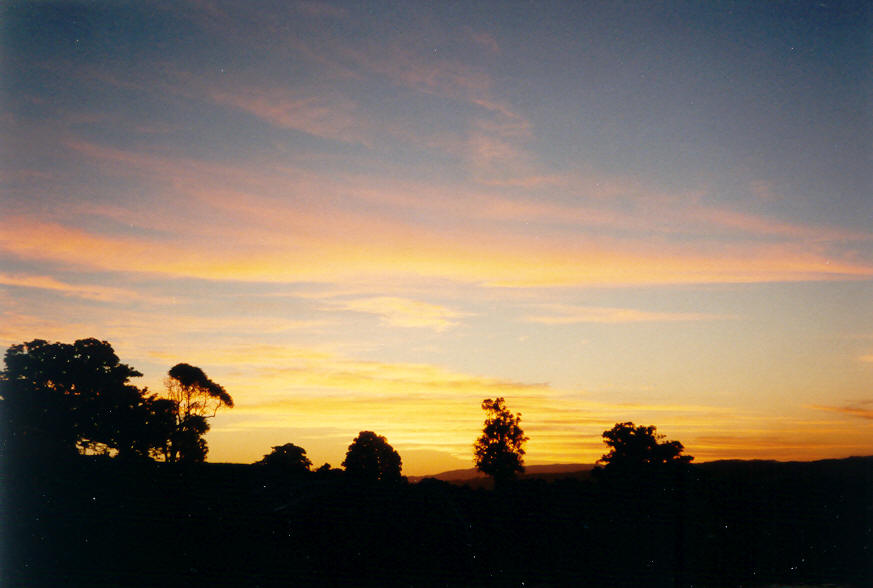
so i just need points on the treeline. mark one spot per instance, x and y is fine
(62, 399)
(104, 485)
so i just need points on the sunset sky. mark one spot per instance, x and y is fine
(372, 216)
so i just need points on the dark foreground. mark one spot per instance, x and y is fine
(105, 523)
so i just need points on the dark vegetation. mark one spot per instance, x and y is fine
(371, 459)
(61, 399)
(499, 452)
(92, 502)
(288, 458)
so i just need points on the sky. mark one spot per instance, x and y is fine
(373, 216)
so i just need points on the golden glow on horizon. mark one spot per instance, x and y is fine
(425, 407)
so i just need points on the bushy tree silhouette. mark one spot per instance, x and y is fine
(499, 452)
(371, 458)
(61, 398)
(196, 398)
(287, 458)
(638, 447)
(151, 427)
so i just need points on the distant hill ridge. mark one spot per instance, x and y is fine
(550, 470)
(531, 470)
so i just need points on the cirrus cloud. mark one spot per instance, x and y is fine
(403, 312)
(565, 314)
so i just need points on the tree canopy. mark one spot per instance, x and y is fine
(194, 392)
(371, 458)
(634, 446)
(195, 398)
(499, 452)
(288, 458)
(61, 398)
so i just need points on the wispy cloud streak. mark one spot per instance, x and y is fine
(328, 116)
(565, 314)
(92, 292)
(862, 410)
(403, 312)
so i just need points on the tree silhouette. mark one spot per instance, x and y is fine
(499, 452)
(151, 427)
(196, 398)
(61, 398)
(634, 447)
(289, 458)
(371, 458)
(194, 392)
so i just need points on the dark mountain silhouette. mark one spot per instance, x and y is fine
(530, 471)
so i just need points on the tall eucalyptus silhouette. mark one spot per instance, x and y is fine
(196, 399)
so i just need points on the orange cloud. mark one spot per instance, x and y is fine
(368, 247)
(305, 230)
(856, 410)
